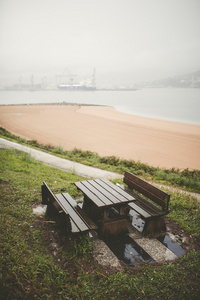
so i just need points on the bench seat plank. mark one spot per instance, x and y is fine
(139, 210)
(74, 228)
(80, 212)
(73, 215)
(90, 223)
(69, 199)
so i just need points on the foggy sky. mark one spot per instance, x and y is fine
(125, 40)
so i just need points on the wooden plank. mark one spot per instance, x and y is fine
(89, 194)
(146, 193)
(103, 194)
(80, 212)
(73, 215)
(74, 228)
(91, 224)
(44, 198)
(47, 194)
(148, 207)
(110, 192)
(139, 210)
(69, 199)
(98, 191)
(57, 207)
(123, 195)
(147, 189)
(115, 190)
(146, 185)
(144, 203)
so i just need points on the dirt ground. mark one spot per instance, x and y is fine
(54, 240)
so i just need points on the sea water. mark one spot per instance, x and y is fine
(173, 104)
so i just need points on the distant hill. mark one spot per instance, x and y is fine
(187, 80)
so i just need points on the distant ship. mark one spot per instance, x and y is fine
(86, 85)
(76, 87)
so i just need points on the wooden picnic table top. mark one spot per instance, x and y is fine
(104, 193)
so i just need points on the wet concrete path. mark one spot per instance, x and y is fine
(61, 163)
(77, 168)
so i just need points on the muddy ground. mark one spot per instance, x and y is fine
(101, 258)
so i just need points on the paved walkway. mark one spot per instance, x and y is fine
(61, 163)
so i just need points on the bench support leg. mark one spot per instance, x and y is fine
(63, 220)
(154, 225)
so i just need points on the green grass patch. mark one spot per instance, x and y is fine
(186, 179)
(185, 211)
(29, 270)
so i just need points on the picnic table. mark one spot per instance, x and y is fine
(105, 203)
(107, 207)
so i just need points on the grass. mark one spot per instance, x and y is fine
(29, 269)
(185, 211)
(186, 179)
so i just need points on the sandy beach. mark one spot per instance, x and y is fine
(108, 132)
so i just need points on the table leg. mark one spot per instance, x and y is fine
(122, 210)
(116, 224)
(91, 209)
(105, 214)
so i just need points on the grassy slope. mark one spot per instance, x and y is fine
(29, 270)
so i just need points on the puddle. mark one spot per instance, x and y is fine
(127, 250)
(171, 245)
(136, 221)
(39, 210)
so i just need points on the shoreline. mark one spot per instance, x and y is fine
(102, 129)
(53, 103)
(97, 105)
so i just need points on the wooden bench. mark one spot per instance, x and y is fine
(66, 211)
(153, 207)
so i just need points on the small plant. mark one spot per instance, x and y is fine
(26, 157)
(33, 143)
(58, 150)
(82, 246)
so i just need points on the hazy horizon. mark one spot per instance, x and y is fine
(125, 41)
